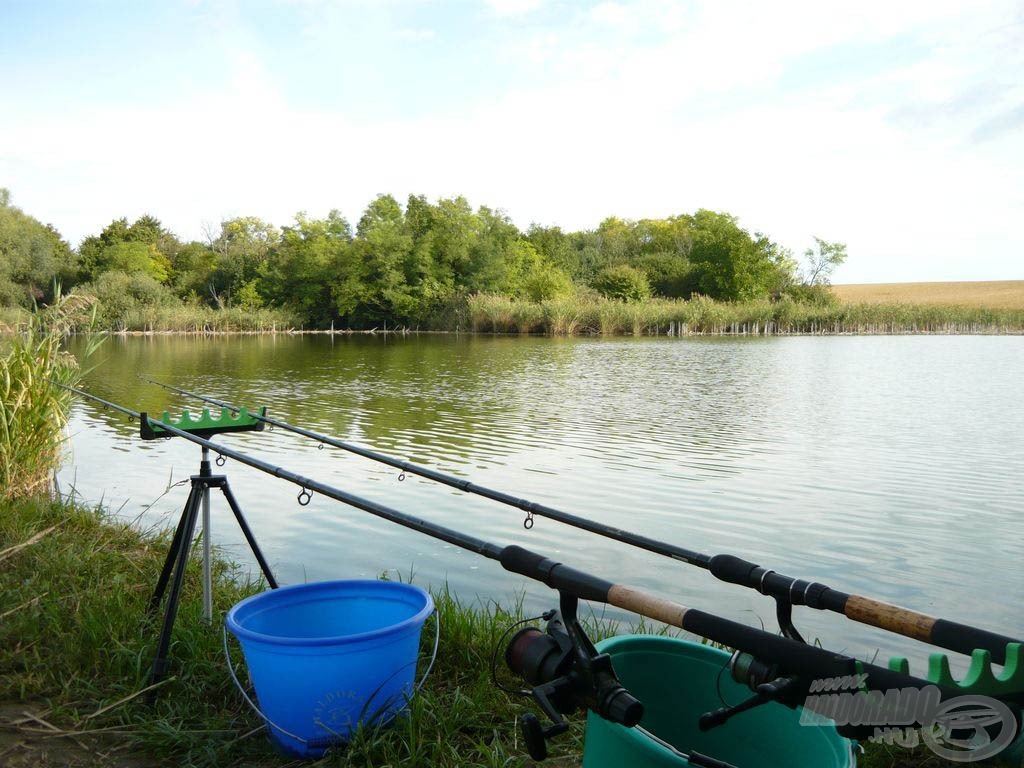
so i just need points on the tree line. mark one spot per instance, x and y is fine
(401, 265)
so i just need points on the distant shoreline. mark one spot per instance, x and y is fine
(943, 308)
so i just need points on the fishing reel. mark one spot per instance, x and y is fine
(567, 673)
(764, 680)
(769, 683)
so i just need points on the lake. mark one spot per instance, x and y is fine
(891, 467)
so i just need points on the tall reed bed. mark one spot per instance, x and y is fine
(201, 320)
(32, 410)
(703, 316)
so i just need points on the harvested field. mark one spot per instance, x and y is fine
(991, 294)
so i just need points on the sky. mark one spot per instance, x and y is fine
(894, 126)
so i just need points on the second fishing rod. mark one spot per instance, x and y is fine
(787, 591)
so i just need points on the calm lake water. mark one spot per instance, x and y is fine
(891, 467)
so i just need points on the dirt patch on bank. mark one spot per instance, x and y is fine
(28, 739)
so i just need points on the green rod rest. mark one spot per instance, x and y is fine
(979, 678)
(204, 426)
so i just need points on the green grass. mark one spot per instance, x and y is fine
(76, 644)
(588, 314)
(76, 640)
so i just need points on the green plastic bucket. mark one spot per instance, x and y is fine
(678, 681)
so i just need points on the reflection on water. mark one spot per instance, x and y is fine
(890, 467)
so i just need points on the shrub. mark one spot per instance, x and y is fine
(547, 283)
(120, 294)
(622, 282)
(818, 295)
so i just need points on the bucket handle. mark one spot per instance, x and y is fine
(255, 707)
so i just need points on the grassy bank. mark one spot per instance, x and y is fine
(572, 316)
(12, 317)
(76, 644)
(184, 319)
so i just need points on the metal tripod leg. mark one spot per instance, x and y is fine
(172, 553)
(226, 490)
(177, 559)
(186, 528)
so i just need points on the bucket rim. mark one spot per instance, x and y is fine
(271, 596)
(639, 642)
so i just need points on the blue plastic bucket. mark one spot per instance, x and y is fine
(678, 681)
(327, 657)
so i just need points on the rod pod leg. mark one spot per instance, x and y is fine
(247, 532)
(187, 529)
(172, 553)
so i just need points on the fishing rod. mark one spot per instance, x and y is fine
(787, 591)
(786, 668)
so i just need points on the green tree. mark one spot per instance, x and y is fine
(133, 256)
(308, 268)
(192, 270)
(33, 257)
(520, 261)
(622, 282)
(146, 229)
(729, 264)
(555, 247)
(242, 246)
(456, 230)
(822, 260)
(121, 293)
(487, 271)
(428, 281)
(143, 246)
(617, 240)
(669, 274)
(443, 235)
(385, 248)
